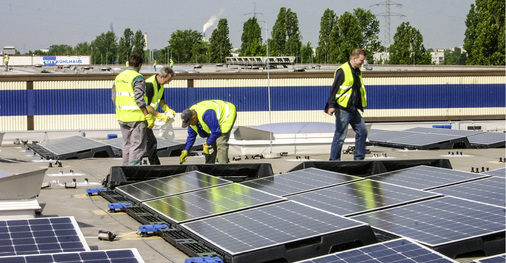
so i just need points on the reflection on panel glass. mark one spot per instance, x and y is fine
(210, 201)
(360, 196)
(170, 185)
(487, 190)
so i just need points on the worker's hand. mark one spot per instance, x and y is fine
(206, 148)
(150, 120)
(330, 111)
(162, 117)
(182, 157)
(166, 108)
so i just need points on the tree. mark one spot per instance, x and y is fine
(82, 48)
(327, 24)
(455, 57)
(251, 39)
(139, 45)
(285, 34)
(219, 42)
(485, 33)
(125, 45)
(293, 44)
(181, 44)
(345, 37)
(408, 46)
(60, 50)
(104, 48)
(370, 29)
(307, 53)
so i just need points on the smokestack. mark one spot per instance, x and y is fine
(211, 21)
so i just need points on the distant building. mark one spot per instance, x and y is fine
(9, 50)
(438, 57)
(380, 57)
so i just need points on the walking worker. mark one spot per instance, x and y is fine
(211, 119)
(6, 62)
(154, 64)
(129, 96)
(154, 93)
(347, 97)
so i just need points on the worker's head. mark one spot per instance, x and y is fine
(189, 117)
(357, 58)
(165, 75)
(135, 60)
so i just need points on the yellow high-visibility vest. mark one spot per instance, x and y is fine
(344, 92)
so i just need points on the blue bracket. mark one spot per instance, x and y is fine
(151, 228)
(92, 191)
(203, 260)
(121, 206)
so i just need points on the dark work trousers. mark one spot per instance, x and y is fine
(152, 148)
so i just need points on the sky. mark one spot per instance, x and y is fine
(35, 24)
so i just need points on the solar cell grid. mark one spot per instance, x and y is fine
(438, 221)
(298, 181)
(501, 172)
(40, 235)
(423, 139)
(169, 185)
(488, 138)
(361, 196)
(426, 177)
(211, 201)
(71, 144)
(489, 190)
(492, 259)
(444, 131)
(103, 256)
(267, 226)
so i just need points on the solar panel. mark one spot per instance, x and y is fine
(398, 250)
(164, 147)
(444, 131)
(169, 185)
(487, 190)
(298, 181)
(384, 135)
(75, 147)
(429, 141)
(501, 172)
(102, 256)
(426, 177)
(208, 202)
(359, 197)
(492, 259)
(269, 232)
(488, 140)
(40, 235)
(446, 221)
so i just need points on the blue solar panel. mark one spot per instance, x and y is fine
(40, 235)
(398, 250)
(487, 190)
(103, 256)
(492, 259)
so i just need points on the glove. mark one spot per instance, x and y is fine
(166, 108)
(162, 117)
(150, 120)
(182, 157)
(206, 148)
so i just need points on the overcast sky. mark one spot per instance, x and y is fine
(34, 24)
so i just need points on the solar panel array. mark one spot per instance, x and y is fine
(492, 259)
(360, 196)
(163, 146)
(298, 181)
(73, 147)
(488, 140)
(439, 221)
(208, 202)
(501, 172)
(489, 190)
(268, 226)
(103, 256)
(398, 250)
(169, 185)
(426, 177)
(40, 235)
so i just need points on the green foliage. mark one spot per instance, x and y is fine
(485, 33)
(307, 54)
(327, 24)
(346, 36)
(60, 50)
(139, 44)
(285, 34)
(408, 47)
(183, 44)
(104, 48)
(251, 39)
(219, 42)
(456, 57)
(370, 29)
(125, 46)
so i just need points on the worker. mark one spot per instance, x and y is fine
(171, 63)
(347, 97)
(154, 93)
(154, 64)
(129, 96)
(211, 119)
(6, 62)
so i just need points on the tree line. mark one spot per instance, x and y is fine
(484, 42)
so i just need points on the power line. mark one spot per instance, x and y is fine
(388, 14)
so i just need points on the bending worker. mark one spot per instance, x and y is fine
(128, 94)
(211, 119)
(347, 97)
(154, 93)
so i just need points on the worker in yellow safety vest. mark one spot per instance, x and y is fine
(347, 97)
(128, 94)
(154, 93)
(6, 62)
(211, 119)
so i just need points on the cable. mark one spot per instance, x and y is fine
(134, 230)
